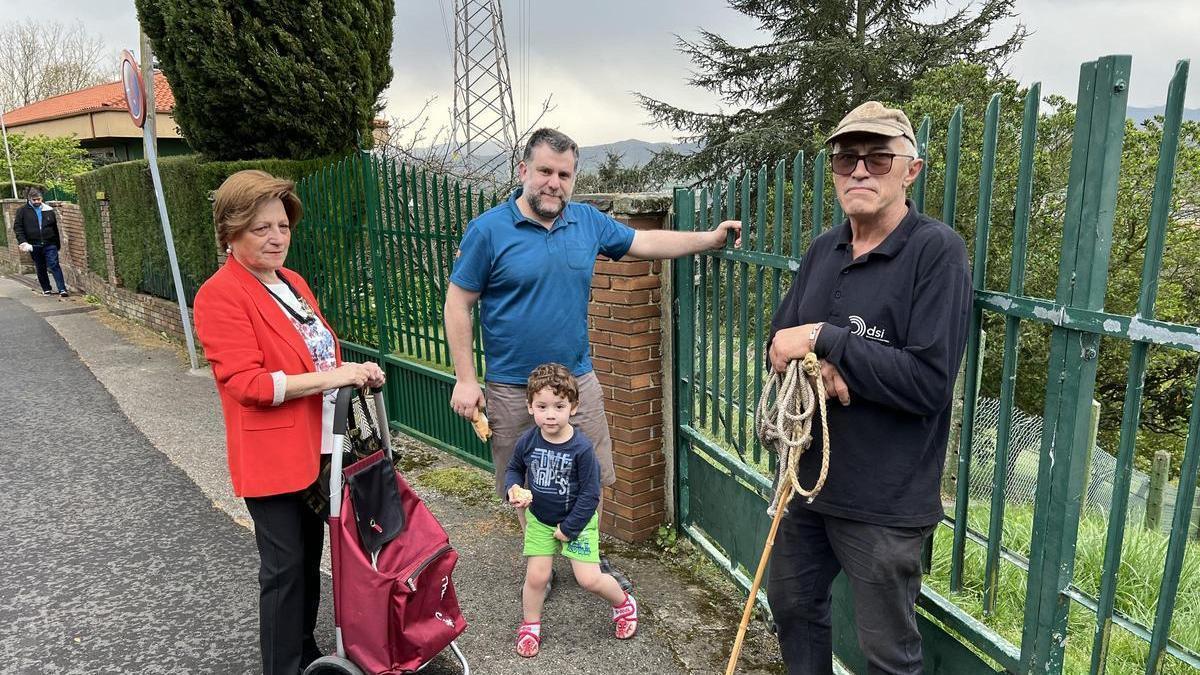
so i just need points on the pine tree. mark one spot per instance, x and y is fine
(272, 78)
(823, 58)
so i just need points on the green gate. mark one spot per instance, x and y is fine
(724, 301)
(376, 245)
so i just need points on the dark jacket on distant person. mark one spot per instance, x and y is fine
(29, 230)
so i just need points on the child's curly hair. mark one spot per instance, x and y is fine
(556, 378)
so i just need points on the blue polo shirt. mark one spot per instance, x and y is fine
(534, 284)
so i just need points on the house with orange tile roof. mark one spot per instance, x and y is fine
(99, 117)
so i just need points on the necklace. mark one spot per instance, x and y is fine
(309, 317)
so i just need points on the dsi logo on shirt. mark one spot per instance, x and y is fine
(859, 328)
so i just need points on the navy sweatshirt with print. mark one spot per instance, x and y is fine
(564, 479)
(895, 328)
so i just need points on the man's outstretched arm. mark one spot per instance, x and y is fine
(656, 244)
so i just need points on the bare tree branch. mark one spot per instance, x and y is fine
(41, 59)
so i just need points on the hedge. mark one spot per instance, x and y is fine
(139, 250)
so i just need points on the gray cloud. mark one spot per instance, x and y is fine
(592, 55)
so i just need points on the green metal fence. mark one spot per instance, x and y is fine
(376, 244)
(59, 194)
(724, 300)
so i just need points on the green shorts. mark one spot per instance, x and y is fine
(539, 540)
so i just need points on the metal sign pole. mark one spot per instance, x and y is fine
(135, 96)
(8, 156)
(152, 158)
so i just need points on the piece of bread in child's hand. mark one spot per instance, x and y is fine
(521, 494)
(480, 425)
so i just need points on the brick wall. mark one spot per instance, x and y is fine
(12, 260)
(625, 327)
(70, 232)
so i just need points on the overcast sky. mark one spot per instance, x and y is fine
(590, 56)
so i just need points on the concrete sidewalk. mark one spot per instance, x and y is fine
(689, 611)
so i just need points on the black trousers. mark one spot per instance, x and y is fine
(883, 565)
(290, 540)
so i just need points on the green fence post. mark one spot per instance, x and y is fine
(918, 193)
(1177, 547)
(370, 178)
(685, 215)
(1008, 377)
(1083, 276)
(974, 355)
(1135, 381)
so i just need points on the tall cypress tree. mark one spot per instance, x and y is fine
(272, 78)
(823, 58)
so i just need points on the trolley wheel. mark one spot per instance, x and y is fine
(332, 665)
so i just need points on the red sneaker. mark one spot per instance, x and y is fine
(529, 639)
(625, 617)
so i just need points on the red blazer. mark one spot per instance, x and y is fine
(246, 337)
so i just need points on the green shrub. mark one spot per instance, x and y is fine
(139, 249)
(272, 78)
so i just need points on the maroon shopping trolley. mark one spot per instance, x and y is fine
(394, 604)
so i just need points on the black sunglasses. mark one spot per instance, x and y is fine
(878, 163)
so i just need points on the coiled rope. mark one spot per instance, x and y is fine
(784, 422)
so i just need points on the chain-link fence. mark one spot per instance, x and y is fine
(1023, 457)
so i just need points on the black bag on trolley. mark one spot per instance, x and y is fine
(363, 439)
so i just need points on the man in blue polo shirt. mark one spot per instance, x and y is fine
(528, 262)
(883, 300)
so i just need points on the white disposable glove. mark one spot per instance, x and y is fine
(26, 247)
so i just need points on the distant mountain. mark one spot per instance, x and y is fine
(1140, 115)
(633, 152)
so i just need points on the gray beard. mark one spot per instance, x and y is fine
(535, 203)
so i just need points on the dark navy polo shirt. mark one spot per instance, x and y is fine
(534, 284)
(896, 328)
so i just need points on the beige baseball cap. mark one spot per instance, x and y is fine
(873, 117)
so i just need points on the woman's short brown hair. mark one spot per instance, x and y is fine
(241, 196)
(556, 378)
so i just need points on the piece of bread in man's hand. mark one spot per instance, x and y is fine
(480, 425)
(521, 494)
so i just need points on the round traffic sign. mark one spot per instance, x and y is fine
(135, 93)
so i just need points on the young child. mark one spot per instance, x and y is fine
(560, 466)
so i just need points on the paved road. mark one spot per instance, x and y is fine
(113, 561)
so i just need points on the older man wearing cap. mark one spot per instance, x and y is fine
(882, 299)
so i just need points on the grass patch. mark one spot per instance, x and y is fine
(469, 485)
(1142, 561)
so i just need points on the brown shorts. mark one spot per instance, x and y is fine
(508, 415)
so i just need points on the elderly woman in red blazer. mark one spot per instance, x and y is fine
(277, 364)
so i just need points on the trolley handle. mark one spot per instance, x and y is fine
(341, 410)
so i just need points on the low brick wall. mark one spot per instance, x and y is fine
(12, 260)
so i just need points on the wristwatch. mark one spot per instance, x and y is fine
(812, 337)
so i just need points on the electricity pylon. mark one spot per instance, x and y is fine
(484, 125)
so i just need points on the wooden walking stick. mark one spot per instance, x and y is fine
(784, 419)
(758, 575)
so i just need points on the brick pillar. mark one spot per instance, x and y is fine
(70, 229)
(106, 231)
(9, 255)
(626, 340)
